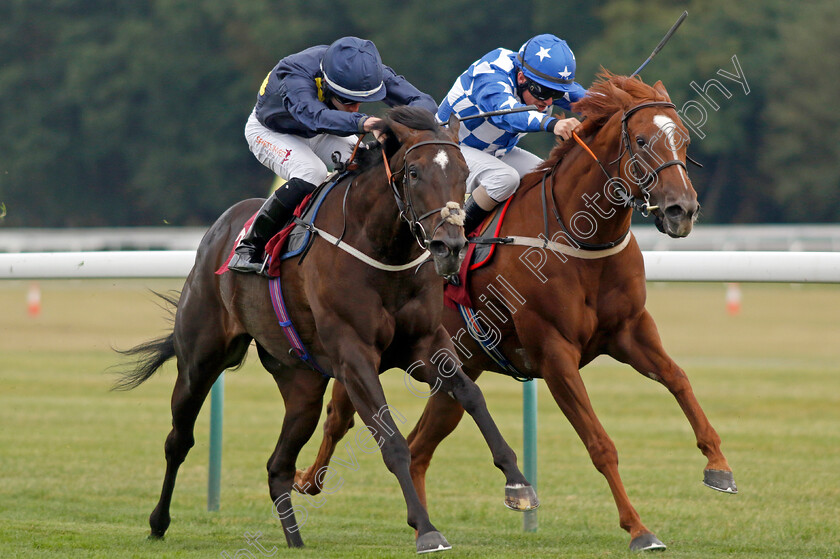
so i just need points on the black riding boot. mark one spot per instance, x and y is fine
(475, 214)
(273, 215)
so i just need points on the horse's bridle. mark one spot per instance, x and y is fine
(404, 200)
(642, 205)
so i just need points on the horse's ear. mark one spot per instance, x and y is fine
(454, 126)
(402, 132)
(660, 89)
(622, 96)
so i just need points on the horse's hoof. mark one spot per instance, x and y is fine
(304, 487)
(155, 537)
(294, 540)
(158, 522)
(720, 480)
(521, 497)
(431, 542)
(646, 542)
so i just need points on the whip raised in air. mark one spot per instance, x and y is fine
(662, 42)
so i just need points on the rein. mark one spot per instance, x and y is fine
(641, 205)
(450, 213)
(583, 249)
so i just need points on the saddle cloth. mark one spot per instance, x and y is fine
(292, 239)
(478, 255)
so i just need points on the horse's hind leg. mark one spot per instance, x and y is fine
(340, 412)
(639, 346)
(440, 417)
(197, 371)
(303, 394)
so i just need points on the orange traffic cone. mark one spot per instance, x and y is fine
(733, 298)
(33, 300)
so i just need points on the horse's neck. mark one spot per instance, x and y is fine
(585, 198)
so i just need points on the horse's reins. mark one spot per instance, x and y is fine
(450, 213)
(639, 204)
(580, 248)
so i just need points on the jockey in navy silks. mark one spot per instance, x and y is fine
(308, 108)
(542, 73)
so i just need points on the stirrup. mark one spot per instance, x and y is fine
(239, 263)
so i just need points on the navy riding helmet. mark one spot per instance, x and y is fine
(352, 70)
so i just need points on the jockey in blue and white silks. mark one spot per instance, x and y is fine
(307, 109)
(542, 73)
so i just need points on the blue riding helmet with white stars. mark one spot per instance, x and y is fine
(490, 84)
(548, 60)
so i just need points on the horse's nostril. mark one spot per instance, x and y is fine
(675, 212)
(439, 249)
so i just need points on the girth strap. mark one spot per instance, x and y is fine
(487, 344)
(298, 348)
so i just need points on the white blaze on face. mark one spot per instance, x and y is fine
(442, 159)
(667, 126)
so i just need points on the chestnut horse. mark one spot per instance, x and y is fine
(356, 317)
(584, 297)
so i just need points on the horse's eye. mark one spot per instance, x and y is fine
(412, 173)
(640, 140)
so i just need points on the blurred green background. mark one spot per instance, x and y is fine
(130, 112)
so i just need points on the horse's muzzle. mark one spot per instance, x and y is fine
(448, 254)
(677, 220)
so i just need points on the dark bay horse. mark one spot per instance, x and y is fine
(585, 295)
(354, 317)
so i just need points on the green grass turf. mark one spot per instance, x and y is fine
(81, 467)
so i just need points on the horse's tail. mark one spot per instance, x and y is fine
(151, 355)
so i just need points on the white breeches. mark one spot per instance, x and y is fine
(498, 175)
(295, 156)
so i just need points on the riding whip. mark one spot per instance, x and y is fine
(662, 42)
(500, 112)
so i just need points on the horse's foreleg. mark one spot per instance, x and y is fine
(358, 371)
(443, 372)
(639, 346)
(558, 361)
(303, 395)
(339, 420)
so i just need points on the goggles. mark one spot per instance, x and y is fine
(343, 100)
(542, 93)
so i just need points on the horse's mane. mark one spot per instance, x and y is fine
(609, 94)
(412, 117)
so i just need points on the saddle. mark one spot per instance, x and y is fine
(293, 239)
(479, 254)
(296, 237)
